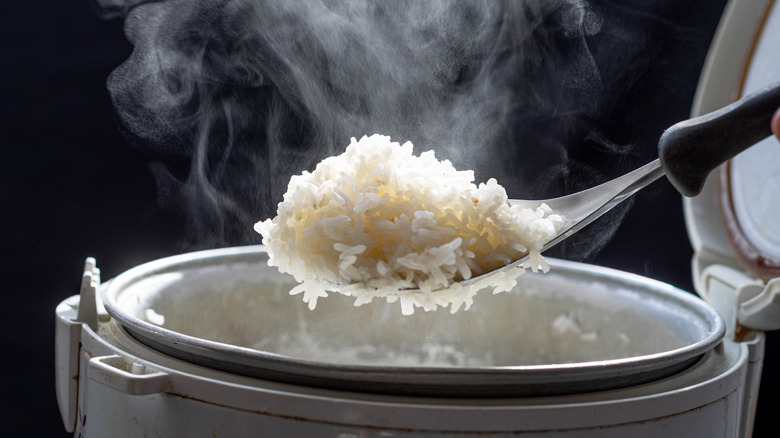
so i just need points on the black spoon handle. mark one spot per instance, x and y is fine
(690, 150)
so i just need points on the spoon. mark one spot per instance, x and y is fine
(688, 152)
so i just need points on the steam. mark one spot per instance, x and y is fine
(250, 92)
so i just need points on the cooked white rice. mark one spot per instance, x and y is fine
(377, 220)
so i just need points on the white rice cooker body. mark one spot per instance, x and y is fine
(110, 384)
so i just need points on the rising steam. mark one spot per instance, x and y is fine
(250, 92)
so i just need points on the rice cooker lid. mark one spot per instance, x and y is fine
(733, 223)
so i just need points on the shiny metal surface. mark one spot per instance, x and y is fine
(579, 328)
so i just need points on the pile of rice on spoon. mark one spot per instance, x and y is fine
(379, 222)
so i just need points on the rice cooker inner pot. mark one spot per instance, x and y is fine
(579, 328)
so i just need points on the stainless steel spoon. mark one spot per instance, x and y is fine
(688, 152)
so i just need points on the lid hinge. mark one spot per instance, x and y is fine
(741, 300)
(762, 312)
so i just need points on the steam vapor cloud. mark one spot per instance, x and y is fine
(250, 92)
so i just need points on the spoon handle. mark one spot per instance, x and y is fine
(691, 149)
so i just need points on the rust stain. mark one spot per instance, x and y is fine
(741, 332)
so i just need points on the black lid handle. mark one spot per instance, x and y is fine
(691, 149)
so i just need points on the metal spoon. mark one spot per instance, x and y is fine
(688, 152)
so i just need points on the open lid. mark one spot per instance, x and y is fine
(733, 223)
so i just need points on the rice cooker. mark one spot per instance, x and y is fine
(210, 343)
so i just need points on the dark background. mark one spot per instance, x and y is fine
(72, 187)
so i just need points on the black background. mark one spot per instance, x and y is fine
(72, 187)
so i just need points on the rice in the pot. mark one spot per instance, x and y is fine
(377, 220)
